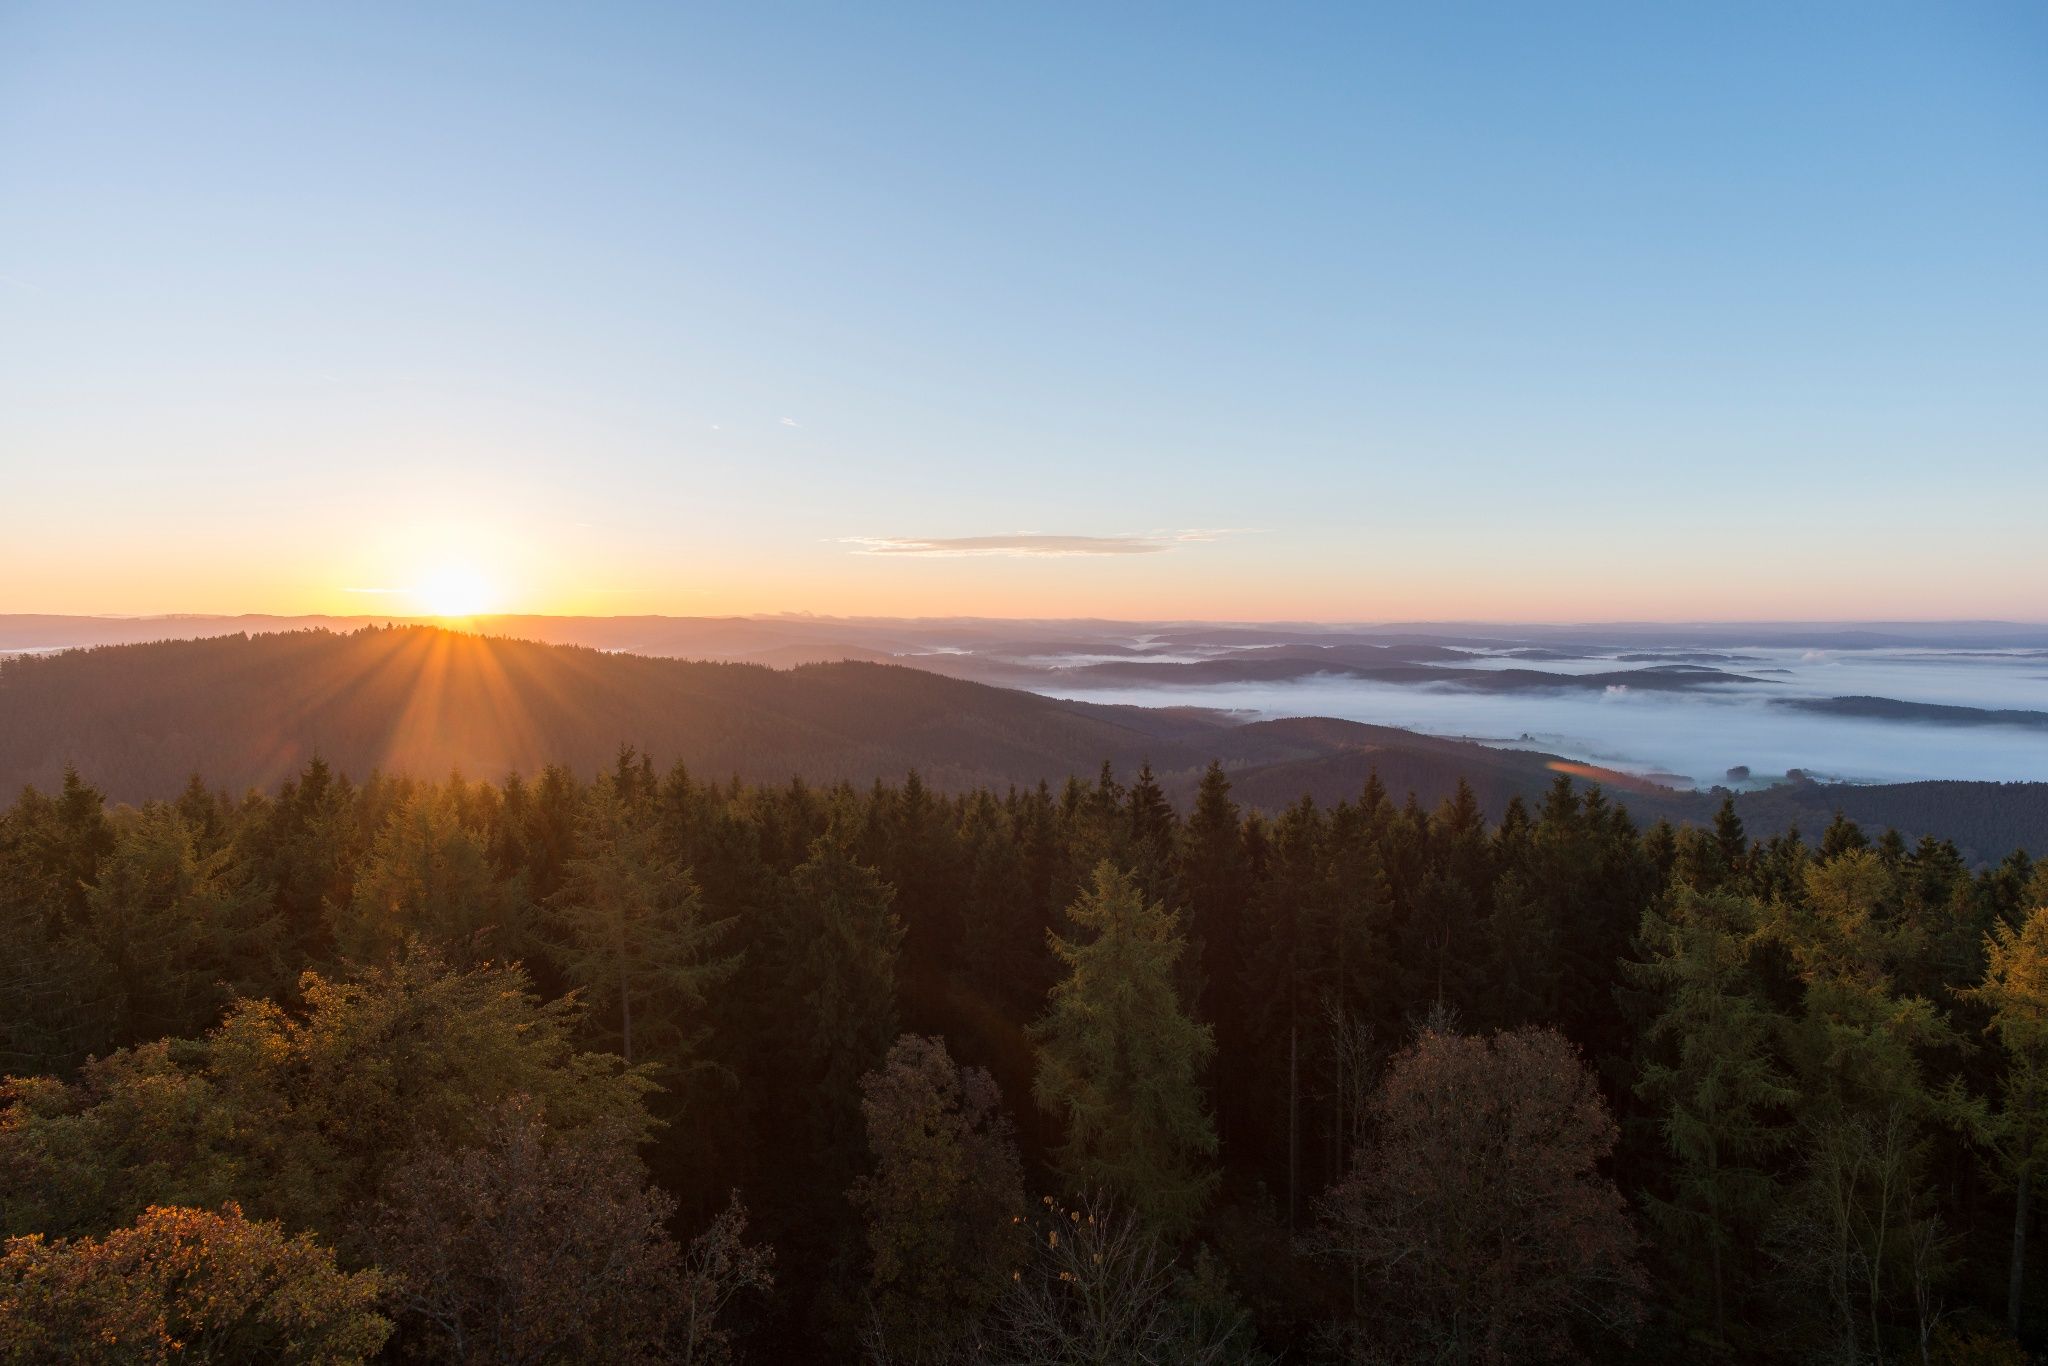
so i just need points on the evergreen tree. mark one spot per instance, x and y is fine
(839, 944)
(1152, 835)
(178, 937)
(430, 876)
(1120, 1062)
(1719, 1095)
(637, 938)
(1211, 885)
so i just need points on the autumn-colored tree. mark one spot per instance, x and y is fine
(719, 1266)
(1852, 1234)
(300, 1114)
(186, 1285)
(533, 1246)
(942, 1203)
(1478, 1209)
(1120, 1062)
(1101, 1286)
(2015, 989)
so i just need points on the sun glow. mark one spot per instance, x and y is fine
(455, 590)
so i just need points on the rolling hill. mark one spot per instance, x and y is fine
(250, 710)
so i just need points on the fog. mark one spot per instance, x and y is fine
(1698, 735)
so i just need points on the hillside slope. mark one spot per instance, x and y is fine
(243, 711)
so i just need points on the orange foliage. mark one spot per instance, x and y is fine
(189, 1285)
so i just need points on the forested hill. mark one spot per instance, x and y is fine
(249, 711)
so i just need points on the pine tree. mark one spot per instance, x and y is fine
(1120, 1062)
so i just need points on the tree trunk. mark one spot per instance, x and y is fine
(1293, 1116)
(625, 1020)
(1720, 1304)
(2023, 1189)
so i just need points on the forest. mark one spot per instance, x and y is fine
(629, 1064)
(253, 710)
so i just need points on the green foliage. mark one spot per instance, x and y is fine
(1810, 1052)
(176, 934)
(300, 1114)
(838, 940)
(1857, 1234)
(637, 939)
(430, 875)
(943, 1205)
(1721, 1100)
(1120, 1062)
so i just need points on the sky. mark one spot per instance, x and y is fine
(1334, 312)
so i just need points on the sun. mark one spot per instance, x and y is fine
(455, 590)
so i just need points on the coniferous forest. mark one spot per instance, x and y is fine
(655, 1066)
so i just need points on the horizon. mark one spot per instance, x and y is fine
(468, 622)
(1475, 316)
(793, 682)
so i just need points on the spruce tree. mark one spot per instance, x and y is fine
(839, 943)
(1712, 1079)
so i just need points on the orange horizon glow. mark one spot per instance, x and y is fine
(521, 565)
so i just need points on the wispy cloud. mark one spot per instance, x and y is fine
(1031, 544)
(790, 422)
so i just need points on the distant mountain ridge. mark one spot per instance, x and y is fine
(250, 710)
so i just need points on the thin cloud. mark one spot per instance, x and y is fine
(789, 422)
(1030, 545)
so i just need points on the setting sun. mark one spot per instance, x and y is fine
(455, 590)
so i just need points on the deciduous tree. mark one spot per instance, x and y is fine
(943, 1202)
(186, 1285)
(1478, 1209)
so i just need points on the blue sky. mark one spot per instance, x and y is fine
(1343, 312)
